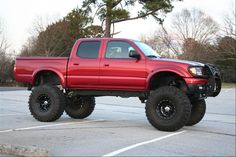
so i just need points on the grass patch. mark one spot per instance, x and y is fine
(228, 85)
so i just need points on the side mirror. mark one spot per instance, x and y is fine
(134, 54)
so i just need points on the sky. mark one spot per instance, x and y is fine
(18, 16)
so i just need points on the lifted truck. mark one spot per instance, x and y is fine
(173, 90)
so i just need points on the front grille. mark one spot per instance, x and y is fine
(207, 71)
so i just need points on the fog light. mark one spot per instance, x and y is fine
(200, 87)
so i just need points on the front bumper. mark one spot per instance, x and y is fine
(198, 90)
(209, 86)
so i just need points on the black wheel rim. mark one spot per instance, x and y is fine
(44, 102)
(166, 109)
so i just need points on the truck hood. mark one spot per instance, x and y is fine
(191, 63)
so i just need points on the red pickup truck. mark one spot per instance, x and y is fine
(173, 90)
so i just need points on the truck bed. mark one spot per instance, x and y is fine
(26, 67)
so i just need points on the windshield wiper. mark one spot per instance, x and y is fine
(152, 56)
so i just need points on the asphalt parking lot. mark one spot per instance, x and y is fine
(118, 127)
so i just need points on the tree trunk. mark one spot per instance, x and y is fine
(108, 28)
(108, 21)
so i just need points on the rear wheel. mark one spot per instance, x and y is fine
(80, 107)
(197, 113)
(46, 103)
(168, 108)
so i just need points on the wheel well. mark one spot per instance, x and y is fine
(47, 77)
(167, 79)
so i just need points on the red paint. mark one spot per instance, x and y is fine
(101, 73)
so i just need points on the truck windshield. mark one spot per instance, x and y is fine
(147, 50)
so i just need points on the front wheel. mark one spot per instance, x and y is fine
(80, 107)
(197, 113)
(168, 108)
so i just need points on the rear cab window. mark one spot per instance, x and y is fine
(88, 49)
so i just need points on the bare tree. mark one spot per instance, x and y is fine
(161, 42)
(40, 23)
(3, 41)
(229, 25)
(194, 24)
(29, 46)
(47, 33)
(227, 38)
(187, 25)
(194, 31)
(57, 38)
(5, 60)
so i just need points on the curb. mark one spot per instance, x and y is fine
(7, 149)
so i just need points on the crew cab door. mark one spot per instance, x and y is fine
(120, 72)
(83, 67)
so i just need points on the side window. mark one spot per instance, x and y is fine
(88, 49)
(118, 49)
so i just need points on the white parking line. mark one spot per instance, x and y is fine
(15, 114)
(226, 90)
(229, 90)
(140, 144)
(47, 126)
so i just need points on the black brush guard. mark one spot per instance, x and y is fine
(214, 86)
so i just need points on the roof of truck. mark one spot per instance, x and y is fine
(106, 39)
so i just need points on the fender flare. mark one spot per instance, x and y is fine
(180, 72)
(57, 72)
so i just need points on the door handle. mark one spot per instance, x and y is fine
(76, 64)
(106, 65)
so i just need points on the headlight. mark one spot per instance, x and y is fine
(196, 71)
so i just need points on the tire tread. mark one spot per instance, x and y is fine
(59, 105)
(174, 92)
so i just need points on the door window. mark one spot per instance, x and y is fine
(118, 50)
(88, 49)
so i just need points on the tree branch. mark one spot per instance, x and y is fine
(116, 3)
(137, 17)
(167, 41)
(95, 14)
